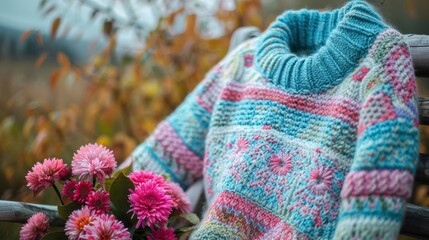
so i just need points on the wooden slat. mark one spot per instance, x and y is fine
(19, 212)
(241, 35)
(416, 221)
(419, 49)
(424, 111)
(422, 174)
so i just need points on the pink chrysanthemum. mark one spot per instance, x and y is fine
(106, 227)
(93, 160)
(68, 189)
(43, 175)
(81, 191)
(150, 203)
(181, 202)
(35, 228)
(99, 201)
(78, 219)
(320, 180)
(145, 176)
(65, 174)
(163, 234)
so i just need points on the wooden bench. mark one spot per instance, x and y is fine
(416, 222)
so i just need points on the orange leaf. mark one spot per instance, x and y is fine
(40, 39)
(108, 27)
(54, 27)
(25, 35)
(54, 78)
(63, 60)
(76, 73)
(191, 22)
(40, 60)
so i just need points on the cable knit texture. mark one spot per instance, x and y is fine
(306, 132)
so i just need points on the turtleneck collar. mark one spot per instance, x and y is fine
(308, 51)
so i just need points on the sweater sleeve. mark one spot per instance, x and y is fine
(380, 180)
(176, 147)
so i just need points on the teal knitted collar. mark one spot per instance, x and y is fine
(307, 51)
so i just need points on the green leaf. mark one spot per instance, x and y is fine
(184, 236)
(108, 181)
(125, 171)
(190, 217)
(57, 235)
(65, 210)
(119, 192)
(185, 229)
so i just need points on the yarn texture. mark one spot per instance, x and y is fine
(309, 131)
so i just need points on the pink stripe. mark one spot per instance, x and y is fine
(339, 108)
(173, 146)
(208, 96)
(234, 210)
(203, 104)
(244, 207)
(395, 183)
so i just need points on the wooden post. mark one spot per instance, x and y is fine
(19, 212)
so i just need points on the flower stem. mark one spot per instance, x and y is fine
(93, 181)
(133, 229)
(58, 192)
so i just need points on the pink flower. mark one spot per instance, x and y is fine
(35, 228)
(99, 201)
(106, 227)
(181, 202)
(163, 234)
(43, 175)
(65, 174)
(320, 180)
(68, 189)
(78, 219)
(93, 160)
(150, 203)
(144, 176)
(82, 191)
(282, 164)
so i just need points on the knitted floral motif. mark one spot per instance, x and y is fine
(281, 164)
(320, 180)
(248, 60)
(360, 74)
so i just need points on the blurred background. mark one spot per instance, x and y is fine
(79, 71)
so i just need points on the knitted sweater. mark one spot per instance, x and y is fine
(307, 132)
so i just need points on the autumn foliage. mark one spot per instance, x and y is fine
(120, 97)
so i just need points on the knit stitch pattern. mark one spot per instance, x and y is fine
(306, 132)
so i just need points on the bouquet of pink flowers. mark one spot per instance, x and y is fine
(101, 204)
